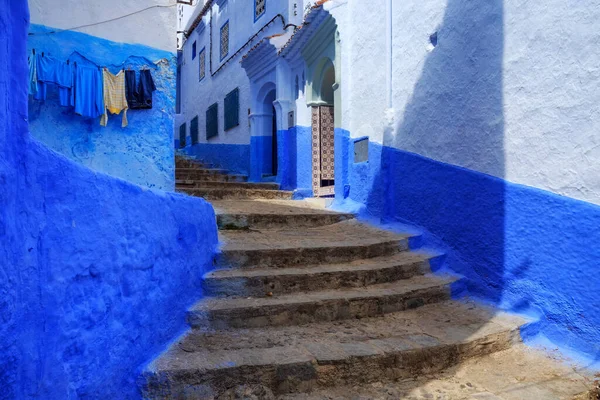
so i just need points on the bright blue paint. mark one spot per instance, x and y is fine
(233, 157)
(96, 273)
(261, 163)
(287, 159)
(140, 153)
(304, 158)
(520, 248)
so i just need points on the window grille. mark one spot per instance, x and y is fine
(212, 121)
(193, 50)
(202, 61)
(182, 132)
(224, 40)
(232, 109)
(259, 8)
(194, 130)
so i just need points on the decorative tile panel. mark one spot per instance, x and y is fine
(259, 8)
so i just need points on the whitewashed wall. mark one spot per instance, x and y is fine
(512, 88)
(198, 95)
(154, 27)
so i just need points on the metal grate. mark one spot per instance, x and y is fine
(259, 8)
(182, 132)
(194, 130)
(232, 109)
(224, 40)
(202, 61)
(212, 121)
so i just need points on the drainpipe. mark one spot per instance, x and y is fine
(389, 36)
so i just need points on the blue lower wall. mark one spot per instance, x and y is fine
(261, 153)
(95, 273)
(521, 248)
(233, 157)
(141, 153)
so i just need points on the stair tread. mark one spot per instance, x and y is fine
(350, 233)
(446, 323)
(201, 169)
(228, 185)
(271, 207)
(406, 286)
(356, 265)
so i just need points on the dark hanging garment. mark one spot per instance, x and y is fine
(131, 90)
(145, 88)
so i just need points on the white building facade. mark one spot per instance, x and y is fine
(474, 122)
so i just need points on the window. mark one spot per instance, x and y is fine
(182, 132)
(259, 9)
(202, 62)
(361, 150)
(194, 50)
(194, 130)
(212, 121)
(224, 40)
(232, 109)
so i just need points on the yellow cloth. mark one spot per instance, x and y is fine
(115, 100)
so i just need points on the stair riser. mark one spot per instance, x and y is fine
(384, 366)
(199, 173)
(284, 284)
(191, 164)
(226, 185)
(315, 311)
(261, 221)
(210, 178)
(239, 194)
(281, 258)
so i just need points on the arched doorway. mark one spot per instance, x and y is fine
(263, 140)
(323, 128)
(270, 134)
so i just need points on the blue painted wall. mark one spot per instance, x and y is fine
(96, 273)
(141, 153)
(233, 157)
(294, 147)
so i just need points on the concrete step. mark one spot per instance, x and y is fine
(193, 184)
(191, 179)
(185, 162)
(317, 306)
(256, 214)
(341, 242)
(259, 282)
(200, 171)
(236, 193)
(205, 364)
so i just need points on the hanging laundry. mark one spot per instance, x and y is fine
(131, 92)
(88, 93)
(145, 88)
(33, 86)
(52, 71)
(114, 96)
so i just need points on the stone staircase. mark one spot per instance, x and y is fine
(304, 298)
(202, 180)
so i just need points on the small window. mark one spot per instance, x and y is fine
(361, 150)
(260, 6)
(212, 121)
(202, 62)
(296, 88)
(232, 109)
(194, 130)
(182, 133)
(224, 40)
(194, 50)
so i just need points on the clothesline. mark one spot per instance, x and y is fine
(145, 62)
(92, 90)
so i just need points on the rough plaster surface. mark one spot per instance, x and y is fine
(96, 273)
(155, 27)
(142, 152)
(511, 89)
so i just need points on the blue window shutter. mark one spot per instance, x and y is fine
(194, 130)
(212, 121)
(194, 50)
(182, 132)
(232, 109)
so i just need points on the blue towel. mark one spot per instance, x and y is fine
(51, 70)
(89, 97)
(33, 87)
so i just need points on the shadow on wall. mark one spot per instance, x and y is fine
(523, 249)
